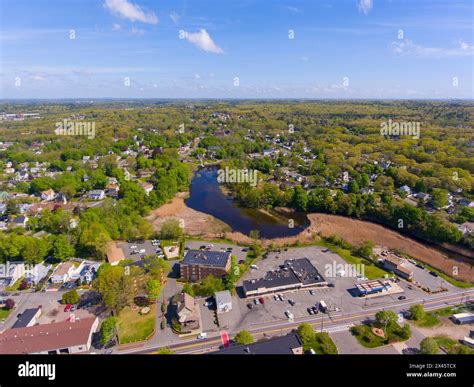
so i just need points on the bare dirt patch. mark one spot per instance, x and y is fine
(447, 328)
(196, 223)
(357, 231)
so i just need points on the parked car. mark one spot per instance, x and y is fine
(202, 336)
(310, 311)
(291, 302)
(142, 251)
(315, 310)
(276, 297)
(282, 298)
(312, 292)
(250, 305)
(262, 300)
(256, 302)
(133, 247)
(434, 274)
(289, 314)
(67, 308)
(402, 298)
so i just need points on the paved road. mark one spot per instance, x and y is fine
(334, 321)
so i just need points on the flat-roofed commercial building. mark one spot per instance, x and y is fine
(293, 274)
(373, 286)
(198, 264)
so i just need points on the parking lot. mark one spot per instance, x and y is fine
(424, 278)
(338, 296)
(128, 247)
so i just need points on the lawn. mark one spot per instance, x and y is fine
(429, 320)
(133, 327)
(453, 347)
(4, 313)
(365, 336)
(15, 286)
(322, 344)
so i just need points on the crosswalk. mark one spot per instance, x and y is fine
(338, 328)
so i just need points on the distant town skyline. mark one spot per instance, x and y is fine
(347, 49)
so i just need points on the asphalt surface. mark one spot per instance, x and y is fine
(327, 322)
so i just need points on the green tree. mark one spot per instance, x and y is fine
(153, 289)
(439, 197)
(115, 284)
(244, 338)
(62, 249)
(108, 329)
(417, 312)
(70, 297)
(171, 230)
(306, 333)
(429, 346)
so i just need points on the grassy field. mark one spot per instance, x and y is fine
(429, 320)
(132, 326)
(322, 344)
(453, 347)
(365, 336)
(4, 313)
(15, 286)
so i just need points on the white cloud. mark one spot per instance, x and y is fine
(130, 11)
(293, 9)
(203, 41)
(407, 47)
(365, 6)
(116, 27)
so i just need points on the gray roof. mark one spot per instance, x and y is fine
(25, 318)
(282, 345)
(206, 258)
(292, 272)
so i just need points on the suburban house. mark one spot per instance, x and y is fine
(63, 337)
(112, 190)
(28, 318)
(96, 194)
(114, 254)
(11, 272)
(198, 264)
(147, 187)
(62, 273)
(188, 313)
(466, 228)
(19, 221)
(289, 344)
(48, 195)
(223, 301)
(37, 273)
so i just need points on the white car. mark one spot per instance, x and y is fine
(202, 336)
(132, 247)
(289, 314)
(142, 251)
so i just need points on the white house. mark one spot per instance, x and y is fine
(223, 301)
(37, 273)
(96, 194)
(62, 273)
(48, 195)
(11, 272)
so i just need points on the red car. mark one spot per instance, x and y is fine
(262, 301)
(68, 308)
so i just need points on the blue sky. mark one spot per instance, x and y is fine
(236, 49)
